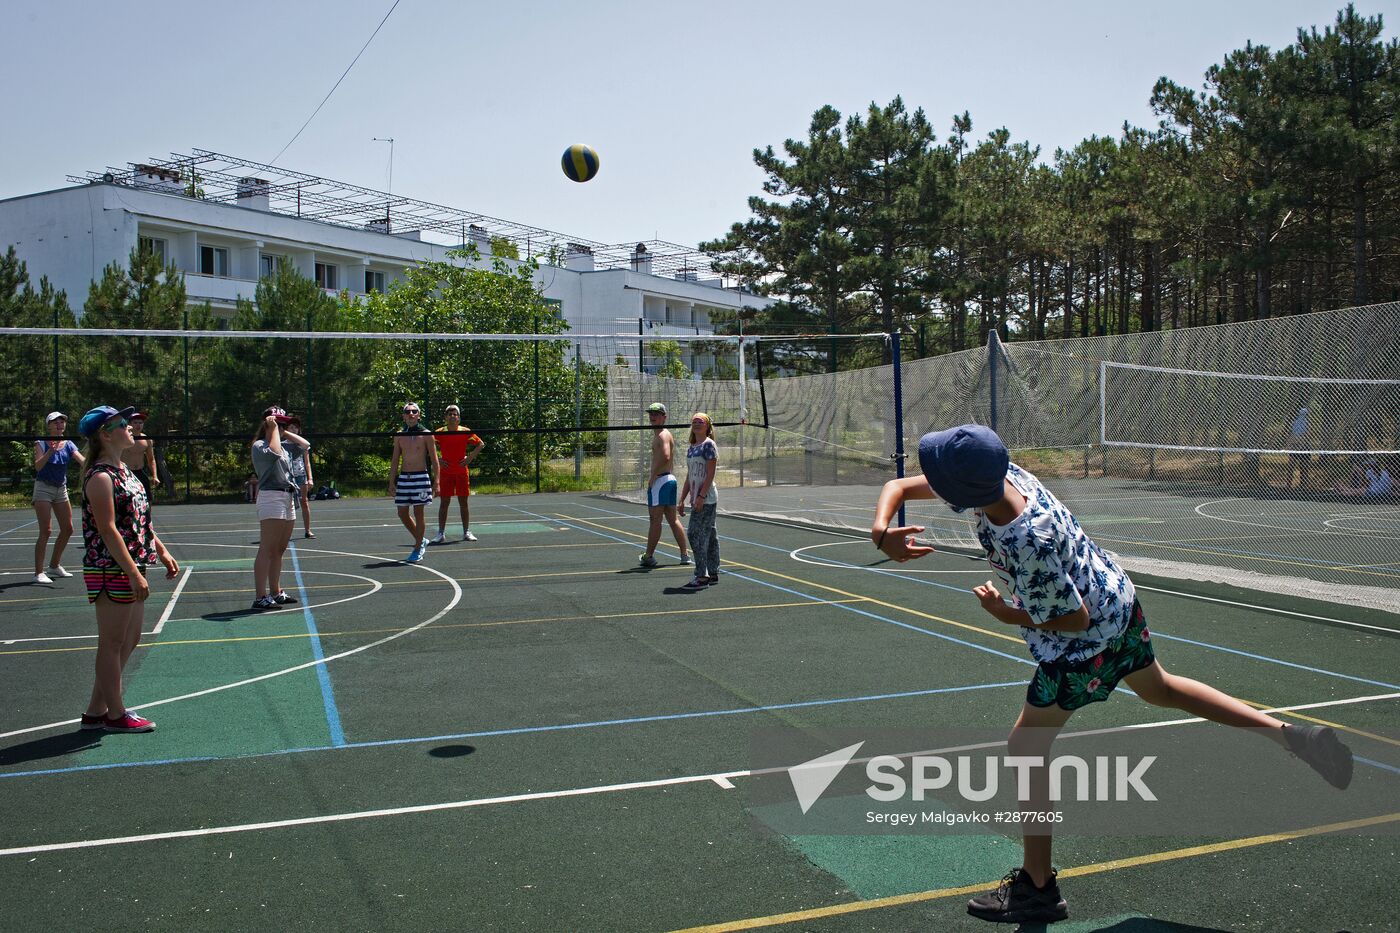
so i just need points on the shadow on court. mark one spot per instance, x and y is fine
(1134, 925)
(451, 751)
(51, 746)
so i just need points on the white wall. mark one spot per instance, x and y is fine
(72, 234)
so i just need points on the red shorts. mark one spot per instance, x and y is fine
(454, 484)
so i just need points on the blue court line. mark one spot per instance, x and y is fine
(322, 674)
(18, 527)
(1156, 633)
(1264, 657)
(1376, 764)
(527, 730)
(816, 599)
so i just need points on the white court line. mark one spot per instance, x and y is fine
(170, 606)
(1312, 529)
(456, 598)
(721, 778)
(1287, 612)
(375, 587)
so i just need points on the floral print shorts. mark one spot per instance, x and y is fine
(1071, 686)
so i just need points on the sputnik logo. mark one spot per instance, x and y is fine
(811, 778)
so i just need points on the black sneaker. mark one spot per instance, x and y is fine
(281, 598)
(1322, 750)
(712, 579)
(263, 603)
(1018, 900)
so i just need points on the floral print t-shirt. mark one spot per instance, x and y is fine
(1052, 568)
(133, 516)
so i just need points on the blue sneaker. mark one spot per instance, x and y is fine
(415, 557)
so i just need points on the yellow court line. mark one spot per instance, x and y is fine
(1151, 858)
(830, 589)
(381, 631)
(1323, 722)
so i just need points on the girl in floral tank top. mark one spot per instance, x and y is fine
(133, 515)
(119, 542)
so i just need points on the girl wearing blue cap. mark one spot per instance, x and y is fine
(119, 542)
(1079, 614)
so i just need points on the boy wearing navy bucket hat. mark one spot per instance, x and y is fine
(1079, 614)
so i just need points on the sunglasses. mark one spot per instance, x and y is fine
(115, 425)
(411, 411)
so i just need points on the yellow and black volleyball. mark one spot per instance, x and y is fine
(580, 163)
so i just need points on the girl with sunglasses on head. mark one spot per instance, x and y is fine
(119, 542)
(277, 506)
(701, 459)
(51, 458)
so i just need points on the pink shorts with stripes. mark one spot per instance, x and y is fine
(110, 580)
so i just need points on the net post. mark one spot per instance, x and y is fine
(535, 329)
(189, 448)
(743, 401)
(578, 411)
(898, 414)
(56, 406)
(993, 342)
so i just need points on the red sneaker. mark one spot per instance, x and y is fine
(90, 722)
(129, 722)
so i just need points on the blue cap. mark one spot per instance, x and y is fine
(99, 416)
(965, 466)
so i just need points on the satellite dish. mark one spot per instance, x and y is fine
(108, 177)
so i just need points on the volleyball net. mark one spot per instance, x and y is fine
(538, 401)
(1260, 454)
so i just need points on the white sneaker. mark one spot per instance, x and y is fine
(468, 536)
(42, 578)
(440, 539)
(59, 572)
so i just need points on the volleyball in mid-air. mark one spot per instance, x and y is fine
(580, 163)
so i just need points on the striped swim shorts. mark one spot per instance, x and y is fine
(413, 489)
(110, 580)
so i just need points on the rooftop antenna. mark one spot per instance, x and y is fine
(390, 141)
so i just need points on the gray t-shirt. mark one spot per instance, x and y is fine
(296, 456)
(274, 472)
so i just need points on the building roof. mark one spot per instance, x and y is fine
(221, 178)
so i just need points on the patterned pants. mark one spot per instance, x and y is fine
(704, 543)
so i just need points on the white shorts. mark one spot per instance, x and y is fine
(48, 492)
(275, 504)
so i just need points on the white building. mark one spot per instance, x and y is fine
(225, 222)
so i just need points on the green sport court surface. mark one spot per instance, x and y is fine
(530, 732)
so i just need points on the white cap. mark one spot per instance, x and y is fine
(54, 416)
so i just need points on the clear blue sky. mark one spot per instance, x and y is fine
(482, 97)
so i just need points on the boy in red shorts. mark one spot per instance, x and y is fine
(458, 446)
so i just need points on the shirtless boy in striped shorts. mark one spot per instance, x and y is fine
(413, 474)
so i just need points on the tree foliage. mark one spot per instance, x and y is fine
(1273, 189)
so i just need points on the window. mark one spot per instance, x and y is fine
(149, 245)
(325, 275)
(269, 265)
(374, 281)
(213, 260)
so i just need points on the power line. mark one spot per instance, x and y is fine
(337, 83)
